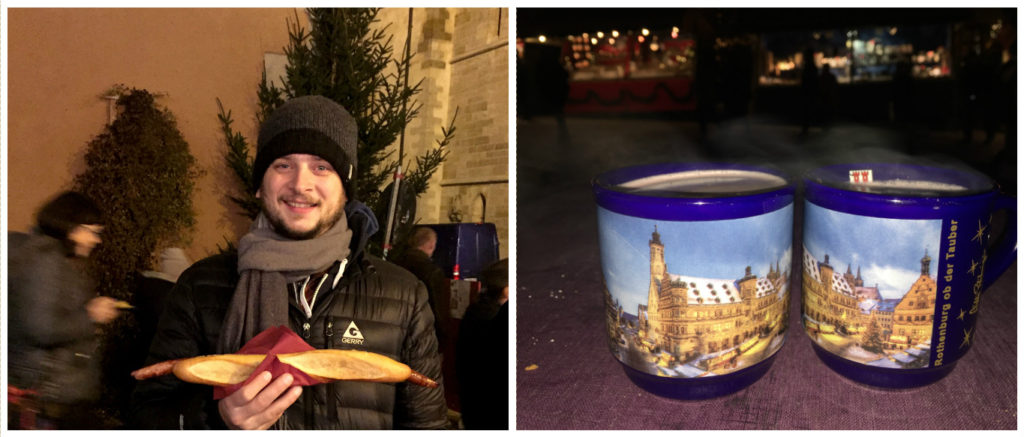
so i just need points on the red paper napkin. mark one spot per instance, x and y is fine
(272, 341)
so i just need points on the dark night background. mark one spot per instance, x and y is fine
(975, 99)
(573, 21)
(565, 376)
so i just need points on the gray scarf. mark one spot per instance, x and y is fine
(267, 263)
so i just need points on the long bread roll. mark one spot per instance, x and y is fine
(325, 365)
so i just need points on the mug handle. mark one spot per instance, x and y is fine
(1006, 250)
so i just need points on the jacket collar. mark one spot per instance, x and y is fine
(363, 224)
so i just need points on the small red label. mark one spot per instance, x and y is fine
(861, 176)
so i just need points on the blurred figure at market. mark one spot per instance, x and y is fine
(417, 260)
(53, 365)
(556, 82)
(1004, 165)
(481, 353)
(737, 79)
(808, 90)
(706, 77)
(829, 87)
(979, 81)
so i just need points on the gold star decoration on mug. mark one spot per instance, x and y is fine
(974, 267)
(967, 338)
(981, 232)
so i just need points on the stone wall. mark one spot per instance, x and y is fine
(461, 56)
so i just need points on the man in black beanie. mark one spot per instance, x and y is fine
(301, 265)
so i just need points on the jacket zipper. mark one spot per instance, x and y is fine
(307, 395)
(332, 401)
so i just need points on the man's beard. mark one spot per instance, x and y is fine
(322, 226)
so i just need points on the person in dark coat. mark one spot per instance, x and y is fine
(481, 353)
(302, 265)
(150, 296)
(417, 259)
(53, 365)
(809, 91)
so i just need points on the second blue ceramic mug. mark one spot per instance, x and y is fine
(895, 260)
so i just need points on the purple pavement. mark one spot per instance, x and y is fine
(560, 315)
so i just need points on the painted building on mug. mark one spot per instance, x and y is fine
(839, 302)
(689, 316)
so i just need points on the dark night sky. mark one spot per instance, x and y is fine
(573, 21)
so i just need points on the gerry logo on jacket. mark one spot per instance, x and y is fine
(352, 334)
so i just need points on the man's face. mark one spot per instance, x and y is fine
(302, 196)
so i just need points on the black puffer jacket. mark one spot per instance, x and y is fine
(388, 305)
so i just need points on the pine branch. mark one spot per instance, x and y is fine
(269, 97)
(238, 160)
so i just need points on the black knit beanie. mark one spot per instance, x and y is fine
(314, 125)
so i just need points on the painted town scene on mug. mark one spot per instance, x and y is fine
(696, 299)
(869, 286)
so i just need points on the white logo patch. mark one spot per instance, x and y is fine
(352, 334)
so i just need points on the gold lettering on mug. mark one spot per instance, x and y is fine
(952, 241)
(978, 284)
(941, 348)
(947, 294)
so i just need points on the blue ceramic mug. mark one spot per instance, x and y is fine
(696, 262)
(895, 260)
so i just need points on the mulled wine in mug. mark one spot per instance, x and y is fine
(895, 260)
(696, 270)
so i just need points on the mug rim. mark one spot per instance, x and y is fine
(690, 206)
(836, 176)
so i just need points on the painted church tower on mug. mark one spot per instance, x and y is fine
(650, 322)
(714, 322)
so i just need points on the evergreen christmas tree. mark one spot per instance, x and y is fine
(873, 337)
(344, 58)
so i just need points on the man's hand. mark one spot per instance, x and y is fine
(257, 405)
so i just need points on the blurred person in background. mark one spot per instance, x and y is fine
(809, 91)
(150, 295)
(417, 260)
(53, 366)
(481, 353)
